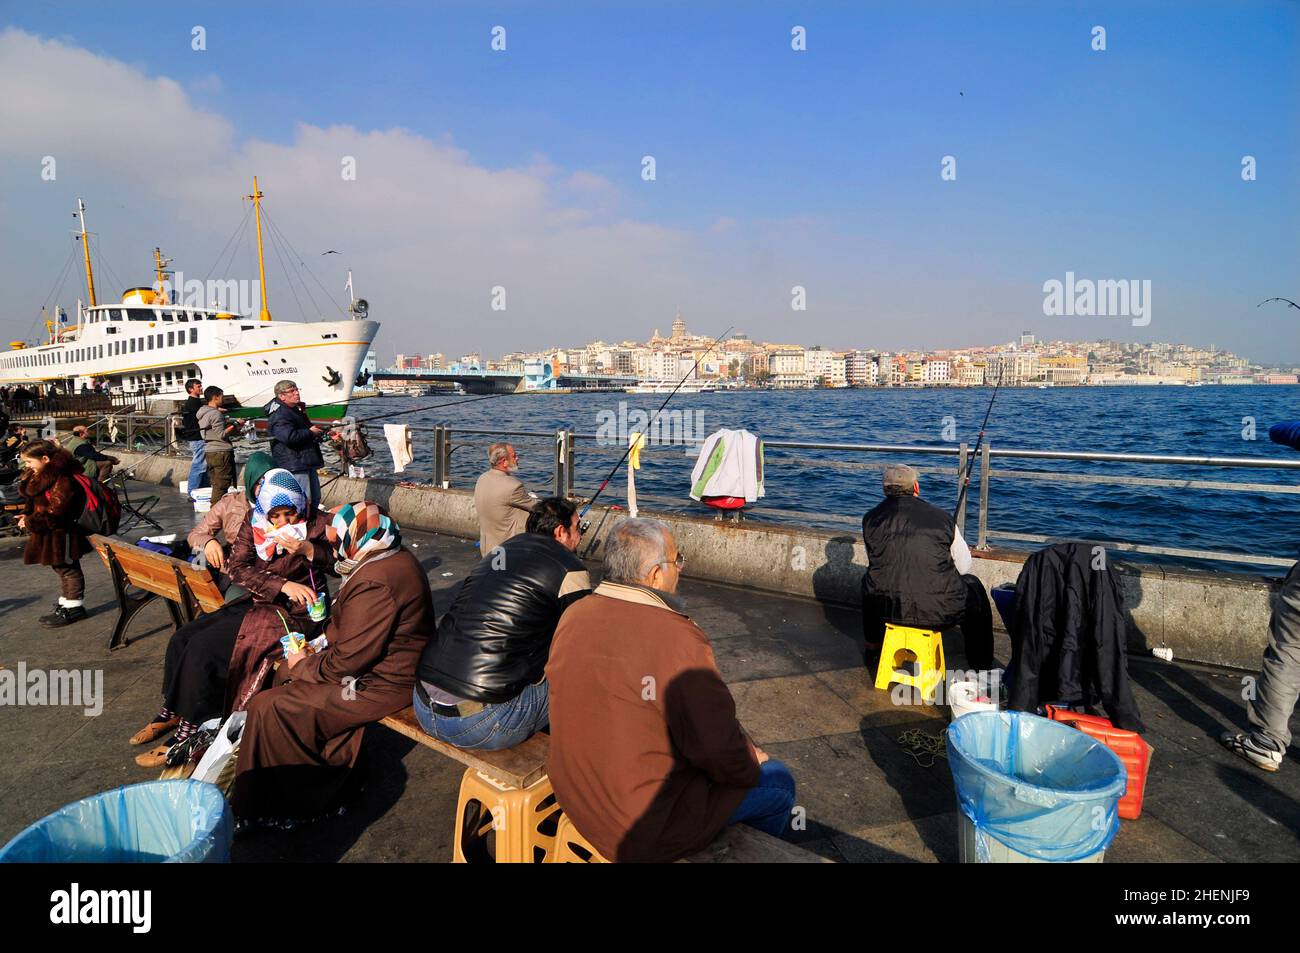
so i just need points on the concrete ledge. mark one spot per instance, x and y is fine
(1216, 618)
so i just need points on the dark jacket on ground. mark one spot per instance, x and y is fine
(293, 445)
(189, 429)
(647, 756)
(54, 501)
(910, 567)
(494, 640)
(1068, 636)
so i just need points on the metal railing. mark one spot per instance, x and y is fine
(562, 447)
(984, 472)
(71, 405)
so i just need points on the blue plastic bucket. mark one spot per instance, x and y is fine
(174, 822)
(1036, 786)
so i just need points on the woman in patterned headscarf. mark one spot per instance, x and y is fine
(281, 556)
(302, 737)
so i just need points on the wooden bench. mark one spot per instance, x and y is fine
(524, 766)
(188, 591)
(519, 767)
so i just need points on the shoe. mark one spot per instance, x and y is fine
(1247, 746)
(62, 616)
(154, 757)
(153, 731)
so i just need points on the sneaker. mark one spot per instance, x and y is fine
(1249, 747)
(62, 616)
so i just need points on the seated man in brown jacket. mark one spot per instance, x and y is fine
(647, 757)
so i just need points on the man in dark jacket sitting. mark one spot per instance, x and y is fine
(481, 679)
(295, 440)
(918, 571)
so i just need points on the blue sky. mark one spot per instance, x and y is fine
(776, 167)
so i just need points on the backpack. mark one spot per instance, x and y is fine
(102, 513)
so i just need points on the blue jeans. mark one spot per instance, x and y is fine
(309, 480)
(198, 466)
(767, 805)
(496, 726)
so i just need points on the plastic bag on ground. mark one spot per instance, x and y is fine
(1035, 785)
(181, 822)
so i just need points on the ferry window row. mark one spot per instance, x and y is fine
(141, 314)
(96, 352)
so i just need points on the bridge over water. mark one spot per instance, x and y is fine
(480, 381)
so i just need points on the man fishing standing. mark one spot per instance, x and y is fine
(295, 440)
(189, 430)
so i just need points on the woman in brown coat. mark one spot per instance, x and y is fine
(302, 737)
(277, 565)
(54, 500)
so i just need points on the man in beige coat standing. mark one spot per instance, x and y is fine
(500, 499)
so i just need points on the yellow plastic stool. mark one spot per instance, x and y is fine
(571, 847)
(926, 645)
(504, 825)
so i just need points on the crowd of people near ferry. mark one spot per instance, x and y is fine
(330, 626)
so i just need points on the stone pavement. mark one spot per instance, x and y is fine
(793, 665)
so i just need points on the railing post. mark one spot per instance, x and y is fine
(984, 498)
(568, 464)
(962, 453)
(559, 461)
(440, 475)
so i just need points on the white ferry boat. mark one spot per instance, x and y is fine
(691, 386)
(146, 344)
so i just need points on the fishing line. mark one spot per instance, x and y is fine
(970, 463)
(582, 521)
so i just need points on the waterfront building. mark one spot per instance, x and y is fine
(1012, 368)
(860, 369)
(936, 372)
(970, 373)
(825, 368)
(788, 369)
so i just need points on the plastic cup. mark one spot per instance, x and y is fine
(292, 643)
(316, 610)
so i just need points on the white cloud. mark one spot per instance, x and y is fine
(428, 231)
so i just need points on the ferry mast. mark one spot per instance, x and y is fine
(85, 244)
(261, 265)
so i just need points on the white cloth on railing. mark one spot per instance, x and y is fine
(730, 464)
(635, 440)
(399, 445)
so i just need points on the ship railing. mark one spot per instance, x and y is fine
(69, 405)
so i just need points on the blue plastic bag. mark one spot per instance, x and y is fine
(175, 822)
(1036, 785)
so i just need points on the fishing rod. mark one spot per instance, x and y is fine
(970, 464)
(450, 403)
(628, 451)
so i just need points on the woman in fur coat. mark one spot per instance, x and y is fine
(54, 500)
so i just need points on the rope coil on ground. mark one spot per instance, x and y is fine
(922, 746)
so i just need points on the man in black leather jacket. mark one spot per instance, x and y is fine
(481, 679)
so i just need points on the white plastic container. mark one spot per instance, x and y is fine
(962, 699)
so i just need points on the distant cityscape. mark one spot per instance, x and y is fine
(739, 361)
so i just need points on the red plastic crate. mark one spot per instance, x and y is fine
(1128, 745)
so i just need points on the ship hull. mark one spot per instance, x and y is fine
(245, 358)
